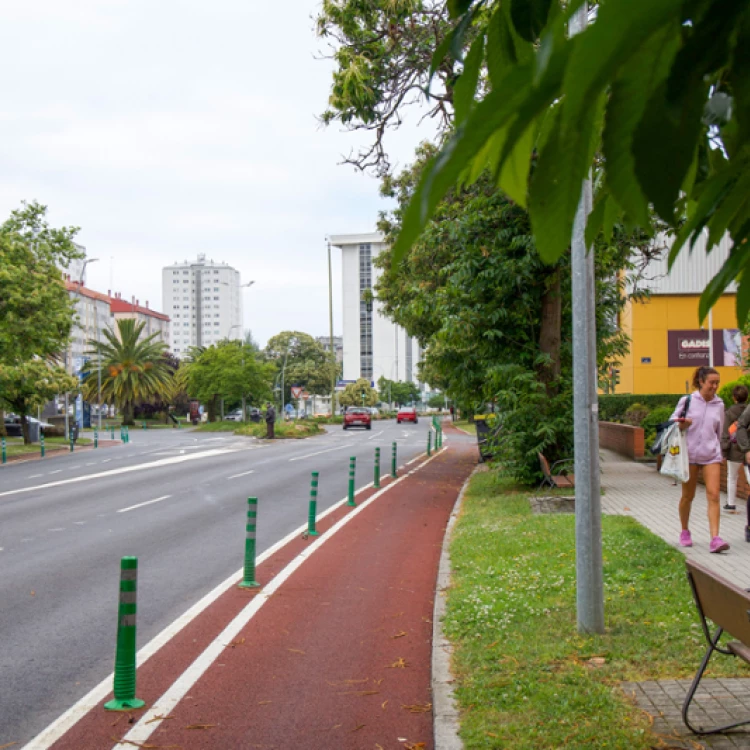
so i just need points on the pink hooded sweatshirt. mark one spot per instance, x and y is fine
(704, 434)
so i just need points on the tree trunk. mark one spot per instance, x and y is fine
(127, 414)
(25, 429)
(212, 408)
(3, 432)
(550, 333)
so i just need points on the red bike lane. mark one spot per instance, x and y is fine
(339, 654)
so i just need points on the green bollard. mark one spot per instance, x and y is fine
(72, 443)
(376, 483)
(248, 578)
(112, 431)
(122, 434)
(313, 505)
(5, 457)
(352, 470)
(394, 472)
(144, 424)
(124, 683)
(96, 439)
(429, 443)
(41, 443)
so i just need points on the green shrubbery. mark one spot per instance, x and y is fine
(725, 392)
(612, 408)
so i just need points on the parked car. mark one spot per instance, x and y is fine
(234, 416)
(357, 416)
(13, 424)
(407, 414)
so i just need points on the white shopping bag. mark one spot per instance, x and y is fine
(675, 461)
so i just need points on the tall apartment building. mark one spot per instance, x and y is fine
(204, 300)
(374, 345)
(338, 345)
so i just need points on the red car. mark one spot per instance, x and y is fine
(357, 417)
(407, 414)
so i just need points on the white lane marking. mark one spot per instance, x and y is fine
(55, 529)
(244, 474)
(140, 505)
(79, 523)
(47, 737)
(106, 460)
(151, 720)
(376, 434)
(34, 476)
(56, 471)
(416, 458)
(77, 466)
(92, 463)
(317, 453)
(123, 470)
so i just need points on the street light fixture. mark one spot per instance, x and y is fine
(239, 325)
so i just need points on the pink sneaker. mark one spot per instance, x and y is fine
(718, 545)
(685, 539)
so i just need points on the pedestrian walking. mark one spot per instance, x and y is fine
(730, 448)
(270, 421)
(743, 442)
(701, 414)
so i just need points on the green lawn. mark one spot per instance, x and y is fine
(466, 426)
(303, 428)
(15, 446)
(525, 677)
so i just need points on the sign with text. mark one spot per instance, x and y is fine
(689, 348)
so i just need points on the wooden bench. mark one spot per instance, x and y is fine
(562, 480)
(728, 607)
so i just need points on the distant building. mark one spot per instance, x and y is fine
(667, 340)
(154, 322)
(373, 345)
(338, 343)
(204, 301)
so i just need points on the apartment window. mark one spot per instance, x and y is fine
(217, 323)
(216, 272)
(206, 298)
(174, 273)
(216, 298)
(217, 315)
(176, 281)
(365, 312)
(177, 315)
(185, 281)
(216, 288)
(175, 307)
(186, 272)
(186, 324)
(177, 350)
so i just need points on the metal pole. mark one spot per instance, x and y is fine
(589, 576)
(711, 337)
(98, 362)
(330, 333)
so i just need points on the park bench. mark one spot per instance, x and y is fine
(562, 480)
(728, 607)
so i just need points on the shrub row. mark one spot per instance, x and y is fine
(613, 408)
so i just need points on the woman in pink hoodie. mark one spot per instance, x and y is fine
(704, 422)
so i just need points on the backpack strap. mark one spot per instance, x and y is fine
(686, 406)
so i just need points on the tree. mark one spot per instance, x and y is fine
(660, 90)
(304, 362)
(397, 391)
(359, 393)
(133, 368)
(383, 53)
(36, 315)
(30, 384)
(436, 401)
(230, 369)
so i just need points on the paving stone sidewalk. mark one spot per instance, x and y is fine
(639, 491)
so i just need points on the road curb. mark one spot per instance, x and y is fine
(445, 715)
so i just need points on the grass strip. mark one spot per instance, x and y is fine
(284, 430)
(525, 677)
(466, 426)
(15, 446)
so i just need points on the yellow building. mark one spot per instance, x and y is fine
(668, 341)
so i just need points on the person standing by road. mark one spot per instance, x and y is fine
(703, 419)
(270, 421)
(743, 443)
(734, 455)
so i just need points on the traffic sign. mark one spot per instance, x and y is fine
(297, 391)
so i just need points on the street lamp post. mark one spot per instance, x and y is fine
(242, 361)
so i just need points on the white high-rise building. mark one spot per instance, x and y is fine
(374, 345)
(204, 302)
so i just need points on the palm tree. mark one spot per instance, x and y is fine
(133, 369)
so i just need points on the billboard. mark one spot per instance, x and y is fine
(689, 348)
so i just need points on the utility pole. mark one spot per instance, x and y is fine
(589, 576)
(330, 333)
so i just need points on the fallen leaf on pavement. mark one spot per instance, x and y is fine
(296, 650)
(159, 718)
(384, 704)
(33, 593)
(360, 692)
(358, 727)
(418, 708)
(415, 746)
(236, 643)
(263, 703)
(200, 726)
(400, 634)
(400, 664)
(10, 744)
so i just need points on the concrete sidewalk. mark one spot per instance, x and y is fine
(638, 490)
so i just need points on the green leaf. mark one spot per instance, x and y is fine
(466, 85)
(664, 145)
(627, 102)
(514, 172)
(740, 77)
(458, 34)
(501, 49)
(491, 114)
(457, 8)
(738, 197)
(595, 221)
(743, 297)
(529, 17)
(439, 55)
(611, 214)
(738, 258)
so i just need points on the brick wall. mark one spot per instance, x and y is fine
(621, 438)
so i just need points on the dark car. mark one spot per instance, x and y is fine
(407, 414)
(357, 416)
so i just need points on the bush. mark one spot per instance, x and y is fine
(657, 416)
(635, 414)
(612, 408)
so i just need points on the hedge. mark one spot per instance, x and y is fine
(612, 407)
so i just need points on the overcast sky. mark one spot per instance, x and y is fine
(167, 129)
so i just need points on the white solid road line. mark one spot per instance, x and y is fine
(47, 737)
(34, 476)
(123, 470)
(244, 474)
(56, 471)
(376, 434)
(151, 720)
(140, 505)
(317, 453)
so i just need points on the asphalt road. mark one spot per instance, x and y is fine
(176, 500)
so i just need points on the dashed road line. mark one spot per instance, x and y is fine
(317, 453)
(243, 474)
(140, 505)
